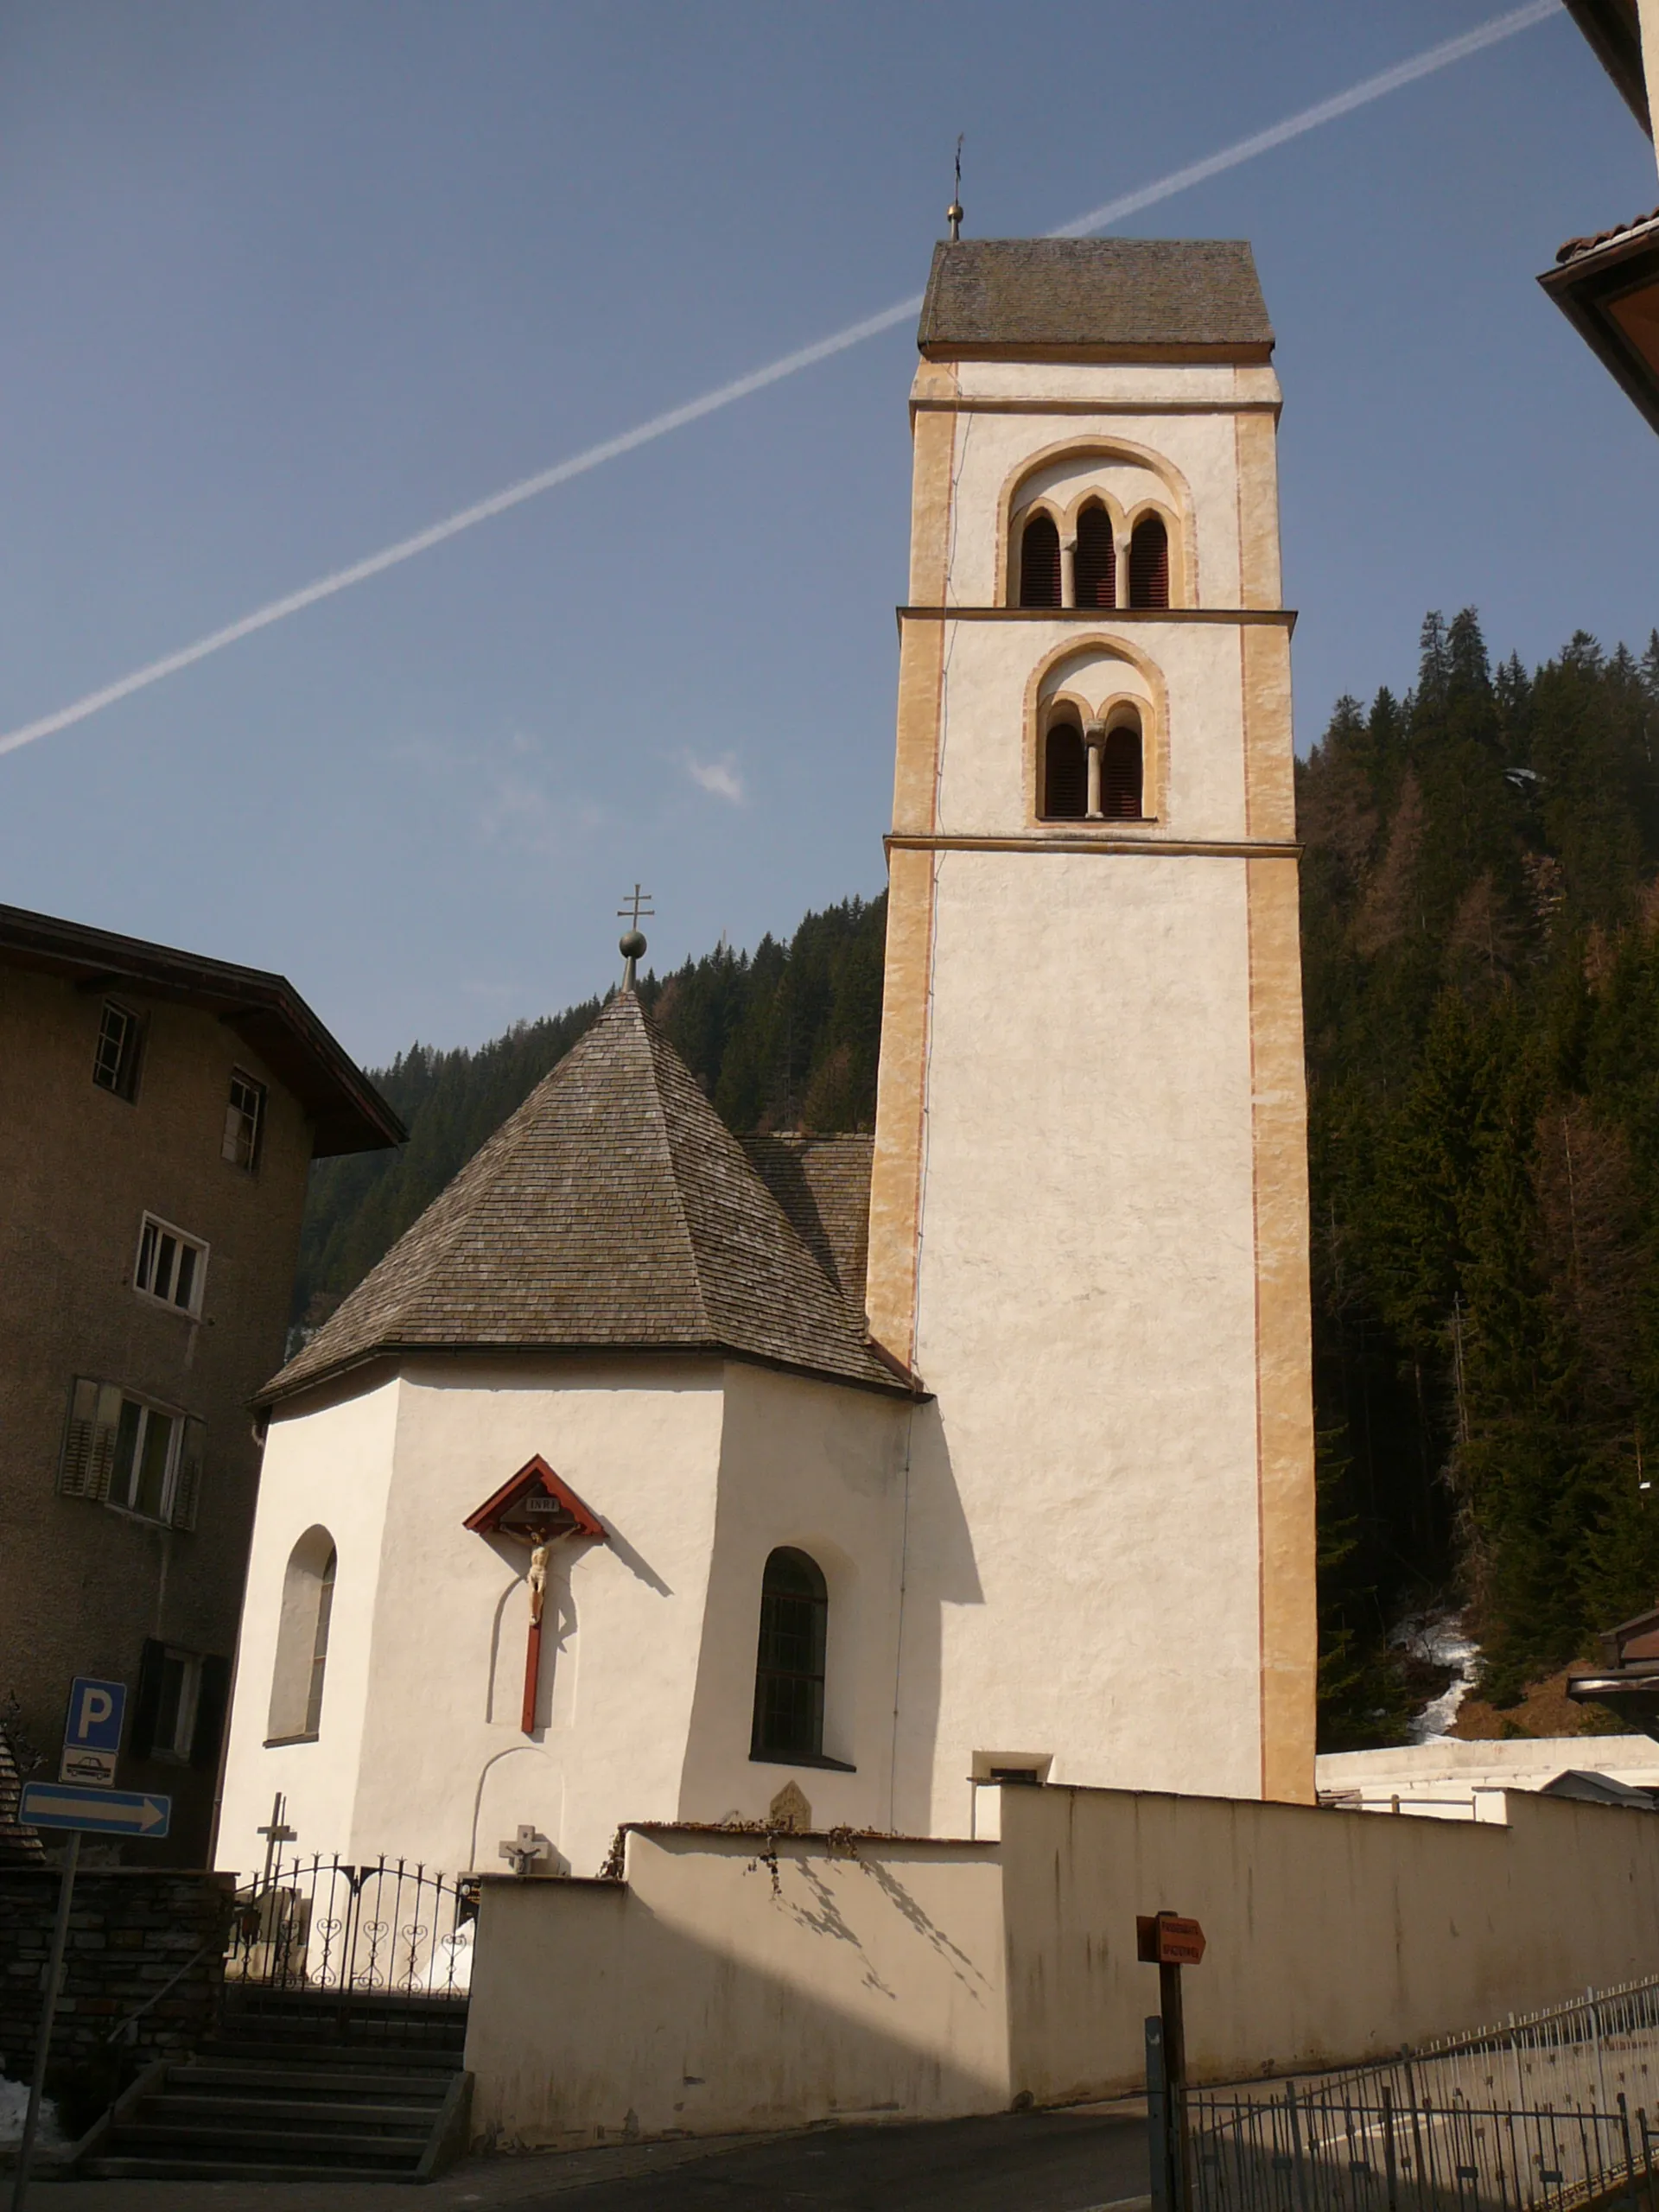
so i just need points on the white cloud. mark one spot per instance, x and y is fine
(720, 779)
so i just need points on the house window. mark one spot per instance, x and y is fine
(119, 1450)
(1039, 563)
(1066, 774)
(1149, 562)
(296, 1713)
(115, 1062)
(789, 1671)
(244, 1121)
(171, 1267)
(179, 1708)
(1096, 559)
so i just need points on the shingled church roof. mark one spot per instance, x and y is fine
(1058, 297)
(613, 1212)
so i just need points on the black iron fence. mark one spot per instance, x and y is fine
(1324, 2148)
(392, 1929)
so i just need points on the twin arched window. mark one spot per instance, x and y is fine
(1096, 775)
(302, 1640)
(789, 1668)
(1094, 562)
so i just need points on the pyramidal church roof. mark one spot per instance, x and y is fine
(613, 1212)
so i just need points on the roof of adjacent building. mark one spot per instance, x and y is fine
(1134, 297)
(613, 1212)
(346, 1113)
(1613, 28)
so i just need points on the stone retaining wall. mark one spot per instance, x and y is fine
(131, 1930)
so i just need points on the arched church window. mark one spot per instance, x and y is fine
(1096, 559)
(789, 1671)
(1039, 563)
(1121, 773)
(1149, 562)
(1066, 774)
(302, 1640)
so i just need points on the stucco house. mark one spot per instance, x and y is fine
(657, 1477)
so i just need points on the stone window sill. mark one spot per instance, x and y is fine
(802, 1758)
(276, 1742)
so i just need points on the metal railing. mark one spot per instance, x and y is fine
(392, 1929)
(1549, 2109)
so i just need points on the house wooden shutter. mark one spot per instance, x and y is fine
(187, 1482)
(147, 1703)
(89, 1440)
(211, 1699)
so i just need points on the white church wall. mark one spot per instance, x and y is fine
(713, 1993)
(329, 1467)
(717, 1992)
(446, 1772)
(820, 1468)
(1086, 1316)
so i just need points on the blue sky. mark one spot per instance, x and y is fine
(286, 282)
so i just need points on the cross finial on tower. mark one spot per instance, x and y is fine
(631, 943)
(953, 212)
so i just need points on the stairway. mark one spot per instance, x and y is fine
(300, 2088)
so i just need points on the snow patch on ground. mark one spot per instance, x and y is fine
(1437, 1638)
(14, 2103)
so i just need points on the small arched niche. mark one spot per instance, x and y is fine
(297, 1682)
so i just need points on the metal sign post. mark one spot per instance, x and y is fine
(48, 2015)
(77, 1807)
(1169, 1940)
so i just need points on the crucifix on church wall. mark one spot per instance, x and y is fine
(537, 1508)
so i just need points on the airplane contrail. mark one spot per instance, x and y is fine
(1424, 64)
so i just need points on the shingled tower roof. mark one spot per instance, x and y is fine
(613, 1212)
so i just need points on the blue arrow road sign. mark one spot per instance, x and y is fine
(108, 1812)
(95, 1713)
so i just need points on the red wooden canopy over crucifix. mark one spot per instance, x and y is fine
(535, 1507)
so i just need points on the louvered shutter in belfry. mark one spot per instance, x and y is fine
(75, 1472)
(1039, 563)
(1066, 782)
(1120, 776)
(187, 1483)
(1149, 564)
(1096, 559)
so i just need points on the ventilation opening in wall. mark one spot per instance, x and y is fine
(1039, 563)
(1149, 564)
(1120, 774)
(1096, 559)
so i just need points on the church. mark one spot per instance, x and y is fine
(659, 1475)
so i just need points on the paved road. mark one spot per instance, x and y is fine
(1026, 2162)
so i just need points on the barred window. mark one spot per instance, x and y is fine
(244, 1121)
(789, 1671)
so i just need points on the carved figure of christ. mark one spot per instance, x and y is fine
(535, 1582)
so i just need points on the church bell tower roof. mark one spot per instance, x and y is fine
(1094, 299)
(613, 1212)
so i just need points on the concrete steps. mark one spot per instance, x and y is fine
(299, 2092)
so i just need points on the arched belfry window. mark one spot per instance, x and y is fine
(1121, 774)
(1039, 563)
(789, 1671)
(1066, 774)
(1096, 559)
(302, 1640)
(1149, 562)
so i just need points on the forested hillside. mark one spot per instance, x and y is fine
(1481, 936)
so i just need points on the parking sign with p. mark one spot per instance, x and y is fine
(92, 1731)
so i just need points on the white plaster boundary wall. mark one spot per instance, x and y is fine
(1449, 1764)
(917, 1979)
(703, 1999)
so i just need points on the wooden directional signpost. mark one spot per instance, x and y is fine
(83, 1801)
(1169, 1941)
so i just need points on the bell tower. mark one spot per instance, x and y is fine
(1087, 1224)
